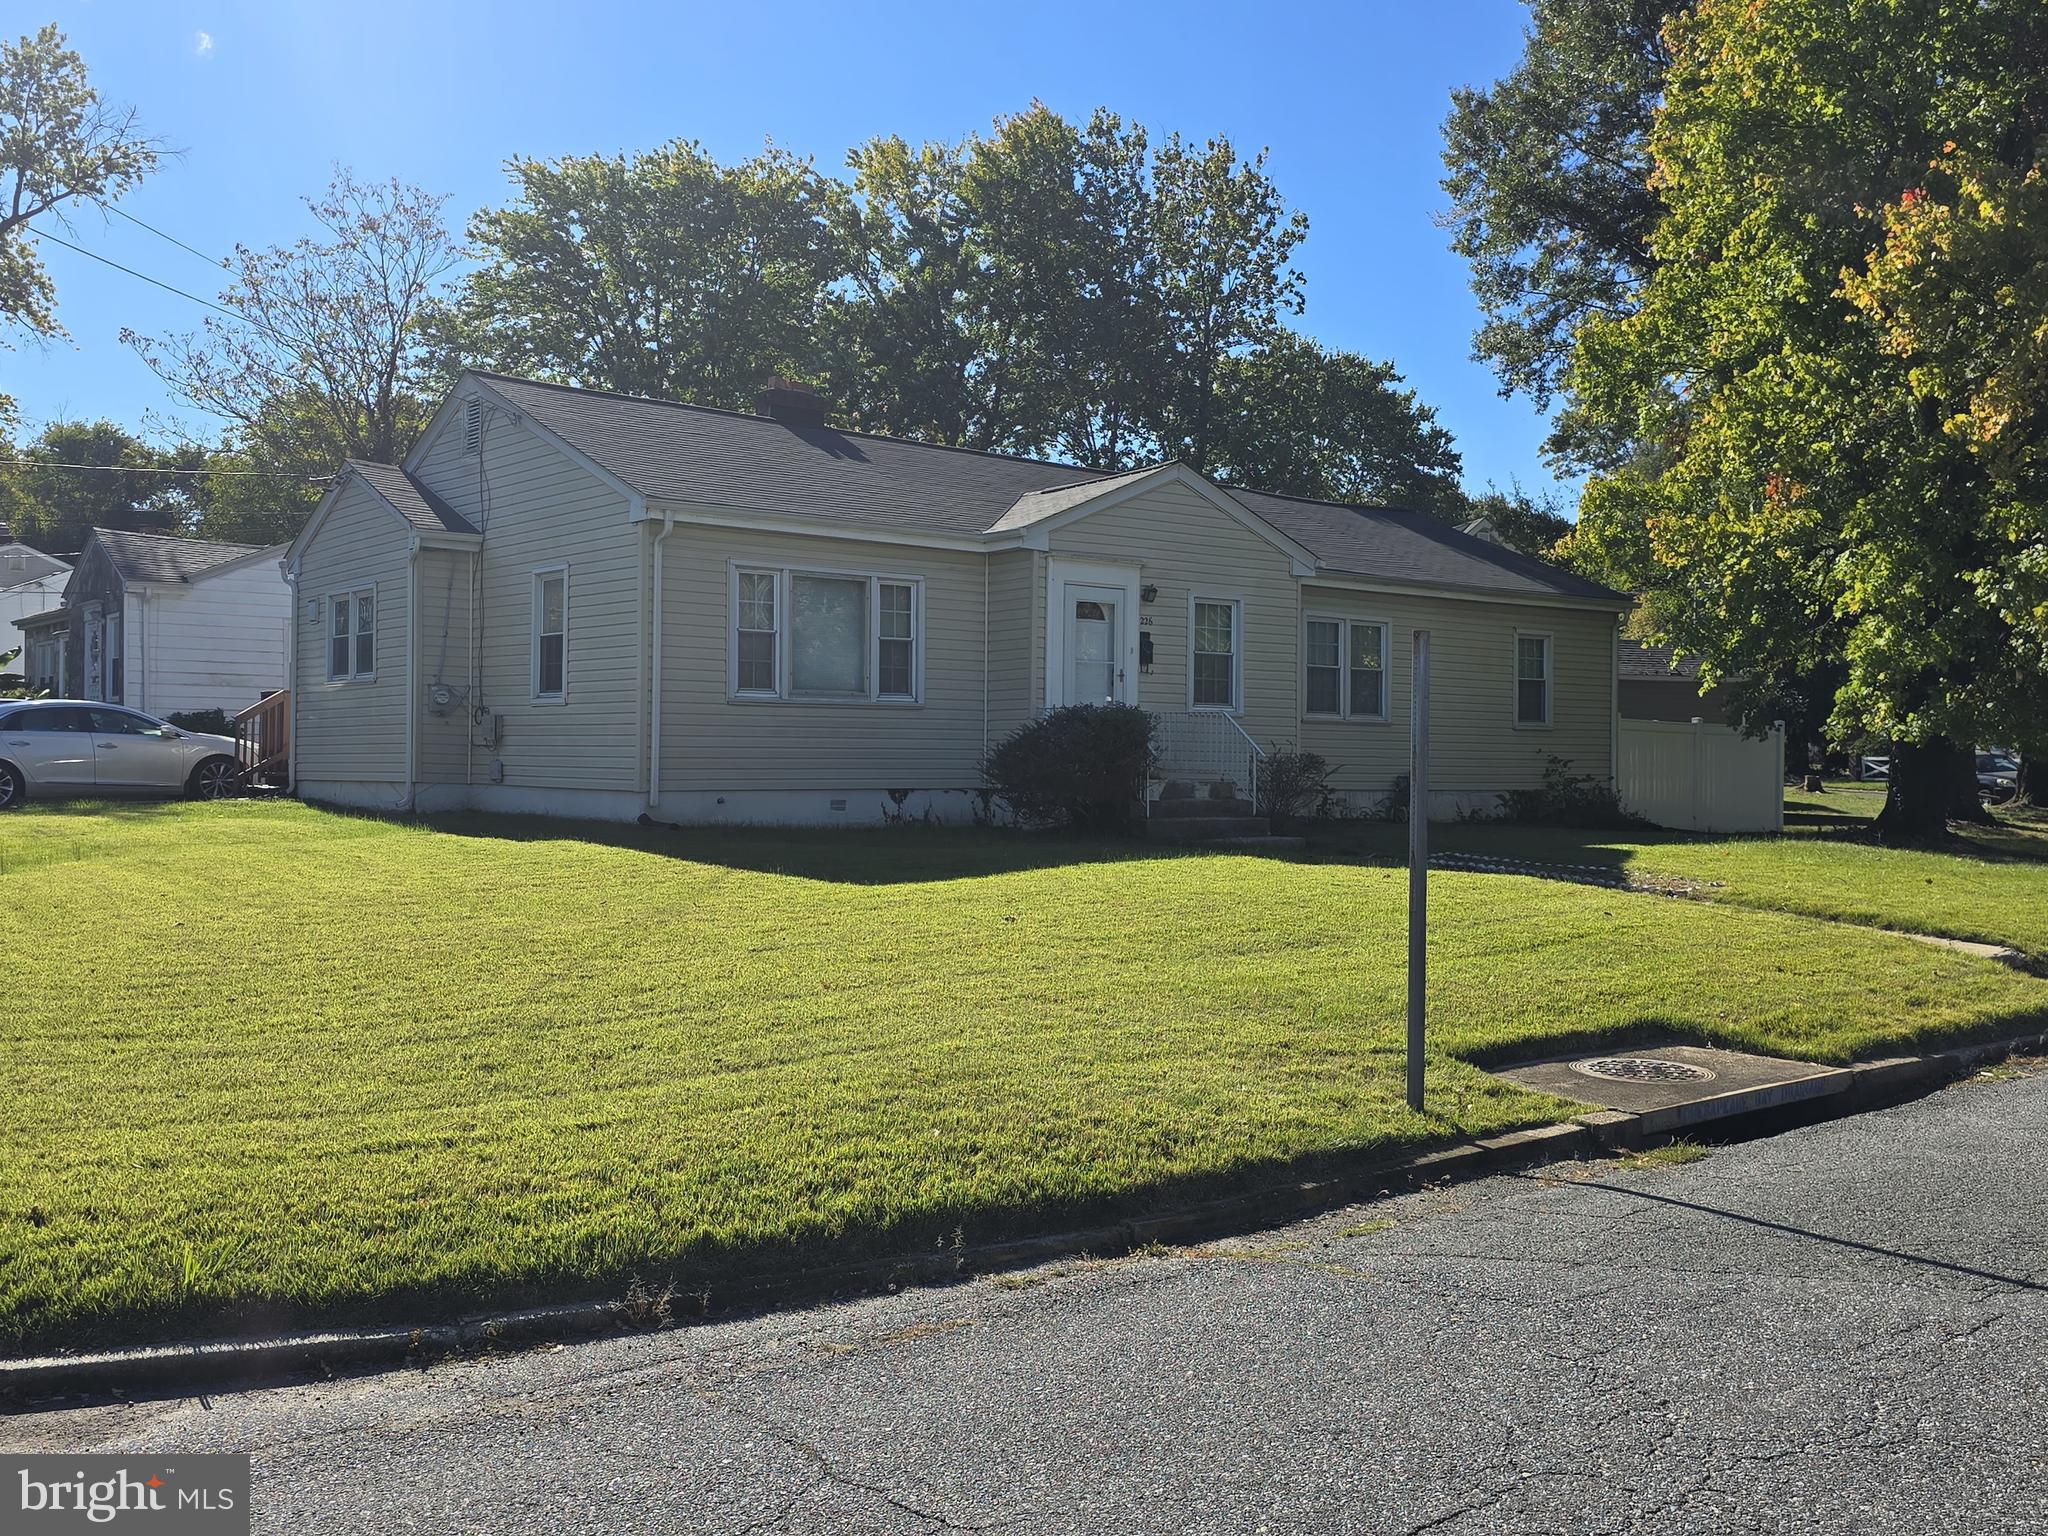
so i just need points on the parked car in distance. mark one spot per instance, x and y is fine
(68, 747)
(1998, 776)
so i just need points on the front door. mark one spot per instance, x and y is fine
(1095, 649)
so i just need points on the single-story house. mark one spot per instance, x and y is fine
(582, 603)
(1657, 684)
(30, 582)
(166, 624)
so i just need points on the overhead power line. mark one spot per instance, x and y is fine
(44, 234)
(211, 261)
(138, 469)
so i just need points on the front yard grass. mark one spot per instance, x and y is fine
(267, 1066)
(1990, 885)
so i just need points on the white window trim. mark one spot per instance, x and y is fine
(328, 637)
(1236, 605)
(785, 692)
(1344, 709)
(542, 573)
(1549, 680)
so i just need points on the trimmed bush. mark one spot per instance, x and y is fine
(1295, 785)
(1082, 766)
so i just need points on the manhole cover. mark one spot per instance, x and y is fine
(1641, 1069)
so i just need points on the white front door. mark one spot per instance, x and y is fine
(1095, 651)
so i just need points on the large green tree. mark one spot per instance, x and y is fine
(1812, 491)
(1301, 419)
(663, 273)
(1548, 170)
(54, 504)
(1223, 243)
(60, 144)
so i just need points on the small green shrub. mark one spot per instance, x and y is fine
(1294, 785)
(205, 722)
(1567, 799)
(1082, 766)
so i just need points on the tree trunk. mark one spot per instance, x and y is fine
(1920, 792)
(2033, 780)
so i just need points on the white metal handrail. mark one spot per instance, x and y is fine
(1205, 745)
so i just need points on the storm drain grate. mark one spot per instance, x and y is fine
(1641, 1069)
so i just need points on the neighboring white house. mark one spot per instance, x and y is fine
(30, 582)
(575, 602)
(166, 624)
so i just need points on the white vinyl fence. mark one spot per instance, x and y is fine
(1703, 778)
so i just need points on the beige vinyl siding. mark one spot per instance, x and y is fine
(1190, 548)
(352, 732)
(713, 743)
(538, 507)
(1016, 644)
(444, 636)
(1475, 744)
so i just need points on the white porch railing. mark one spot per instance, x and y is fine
(1207, 747)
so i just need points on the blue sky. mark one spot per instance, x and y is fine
(265, 98)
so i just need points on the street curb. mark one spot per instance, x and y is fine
(26, 1384)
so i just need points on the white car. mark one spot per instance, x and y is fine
(56, 747)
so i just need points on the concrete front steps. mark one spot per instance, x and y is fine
(1215, 824)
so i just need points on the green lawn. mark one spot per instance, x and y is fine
(1991, 886)
(267, 1065)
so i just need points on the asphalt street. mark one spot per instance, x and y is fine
(1836, 1329)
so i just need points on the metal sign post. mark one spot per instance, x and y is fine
(1418, 861)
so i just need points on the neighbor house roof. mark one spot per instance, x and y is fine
(409, 499)
(48, 618)
(669, 452)
(162, 558)
(1656, 663)
(21, 564)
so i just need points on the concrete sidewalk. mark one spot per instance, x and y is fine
(1835, 1329)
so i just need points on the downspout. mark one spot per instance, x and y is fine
(291, 677)
(412, 664)
(668, 524)
(141, 646)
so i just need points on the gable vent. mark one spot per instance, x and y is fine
(473, 427)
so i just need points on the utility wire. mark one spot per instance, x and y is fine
(137, 469)
(44, 234)
(211, 261)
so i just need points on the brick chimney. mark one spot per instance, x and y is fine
(791, 401)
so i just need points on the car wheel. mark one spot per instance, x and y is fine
(13, 787)
(214, 779)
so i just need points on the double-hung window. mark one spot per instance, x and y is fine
(1345, 668)
(1213, 675)
(551, 634)
(352, 636)
(1532, 679)
(826, 635)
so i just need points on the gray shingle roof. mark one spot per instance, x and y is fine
(684, 453)
(1655, 662)
(671, 452)
(158, 557)
(413, 501)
